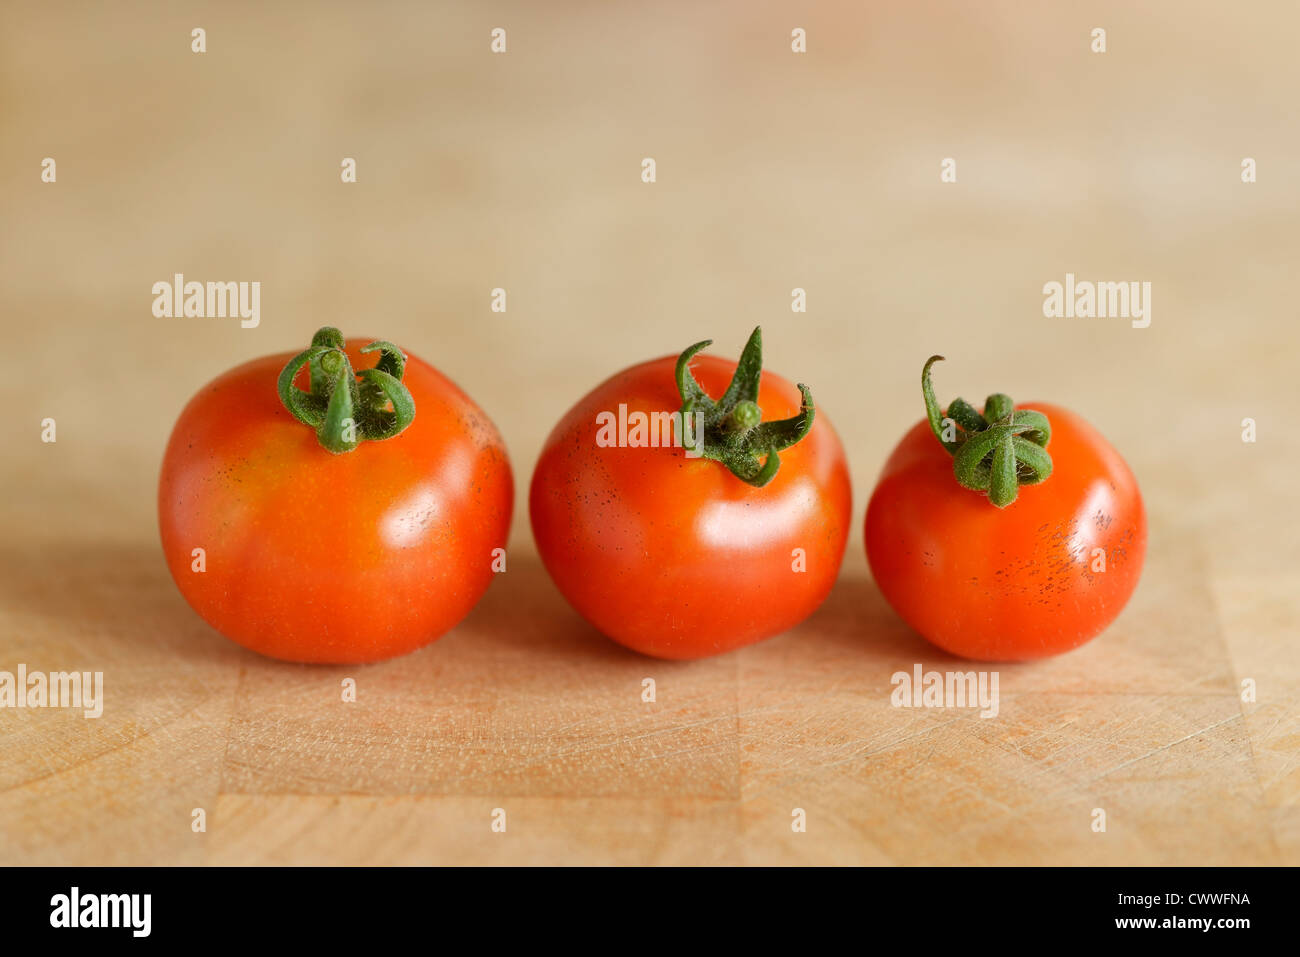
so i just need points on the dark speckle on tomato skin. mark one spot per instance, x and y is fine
(1042, 588)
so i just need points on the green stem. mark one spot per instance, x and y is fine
(343, 407)
(734, 432)
(995, 452)
(743, 417)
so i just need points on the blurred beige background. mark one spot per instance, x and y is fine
(775, 171)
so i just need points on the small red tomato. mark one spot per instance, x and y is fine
(318, 545)
(993, 571)
(683, 549)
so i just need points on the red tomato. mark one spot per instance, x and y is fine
(319, 557)
(675, 556)
(1041, 576)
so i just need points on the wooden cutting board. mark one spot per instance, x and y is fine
(775, 171)
(526, 710)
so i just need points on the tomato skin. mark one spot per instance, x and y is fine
(674, 556)
(1008, 584)
(315, 557)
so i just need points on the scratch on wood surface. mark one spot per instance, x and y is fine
(1162, 748)
(793, 777)
(230, 729)
(111, 749)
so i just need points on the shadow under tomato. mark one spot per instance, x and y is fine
(109, 598)
(856, 622)
(523, 611)
(108, 594)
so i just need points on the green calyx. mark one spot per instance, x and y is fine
(995, 452)
(344, 407)
(731, 430)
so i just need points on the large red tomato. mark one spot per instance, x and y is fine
(995, 571)
(680, 555)
(334, 548)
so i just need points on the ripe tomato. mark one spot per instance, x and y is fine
(343, 557)
(1039, 576)
(684, 556)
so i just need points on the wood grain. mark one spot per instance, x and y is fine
(775, 171)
